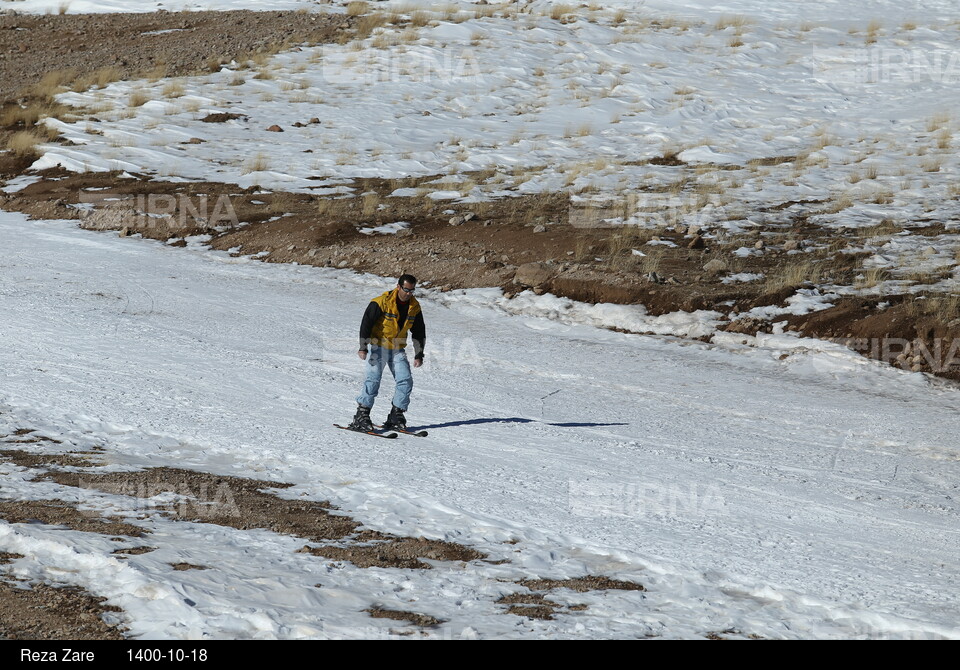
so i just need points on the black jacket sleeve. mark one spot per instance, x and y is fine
(418, 331)
(370, 318)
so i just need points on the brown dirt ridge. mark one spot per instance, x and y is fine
(511, 243)
(43, 612)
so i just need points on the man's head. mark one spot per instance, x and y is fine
(407, 284)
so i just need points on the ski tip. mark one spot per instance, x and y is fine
(415, 433)
(389, 436)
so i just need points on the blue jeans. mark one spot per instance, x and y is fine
(396, 360)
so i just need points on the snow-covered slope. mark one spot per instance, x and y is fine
(782, 10)
(784, 489)
(847, 116)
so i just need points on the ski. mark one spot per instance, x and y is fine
(415, 433)
(389, 436)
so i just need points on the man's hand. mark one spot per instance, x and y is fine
(417, 362)
(362, 354)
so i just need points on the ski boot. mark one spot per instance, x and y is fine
(361, 420)
(395, 420)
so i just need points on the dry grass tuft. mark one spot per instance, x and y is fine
(98, 79)
(582, 249)
(870, 277)
(371, 203)
(214, 63)
(258, 163)
(282, 203)
(883, 196)
(173, 90)
(357, 8)
(369, 23)
(16, 116)
(52, 83)
(739, 22)
(945, 306)
(24, 143)
(138, 98)
(652, 261)
(620, 248)
(158, 72)
(938, 121)
(420, 18)
(557, 12)
(792, 275)
(885, 228)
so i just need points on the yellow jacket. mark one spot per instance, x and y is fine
(386, 331)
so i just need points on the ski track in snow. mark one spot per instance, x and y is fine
(808, 496)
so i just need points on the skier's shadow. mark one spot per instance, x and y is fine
(516, 419)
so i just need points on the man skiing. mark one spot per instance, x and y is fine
(383, 330)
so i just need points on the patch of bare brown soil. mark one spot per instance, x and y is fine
(393, 552)
(134, 551)
(532, 605)
(43, 612)
(59, 513)
(422, 620)
(20, 434)
(7, 557)
(32, 46)
(29, 460)
(581, 584)
(536, 605)
(221, 117)
(188, 566)
(243, 504)
(222, 500)
(731, 633)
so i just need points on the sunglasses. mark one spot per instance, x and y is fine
(408, 290)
